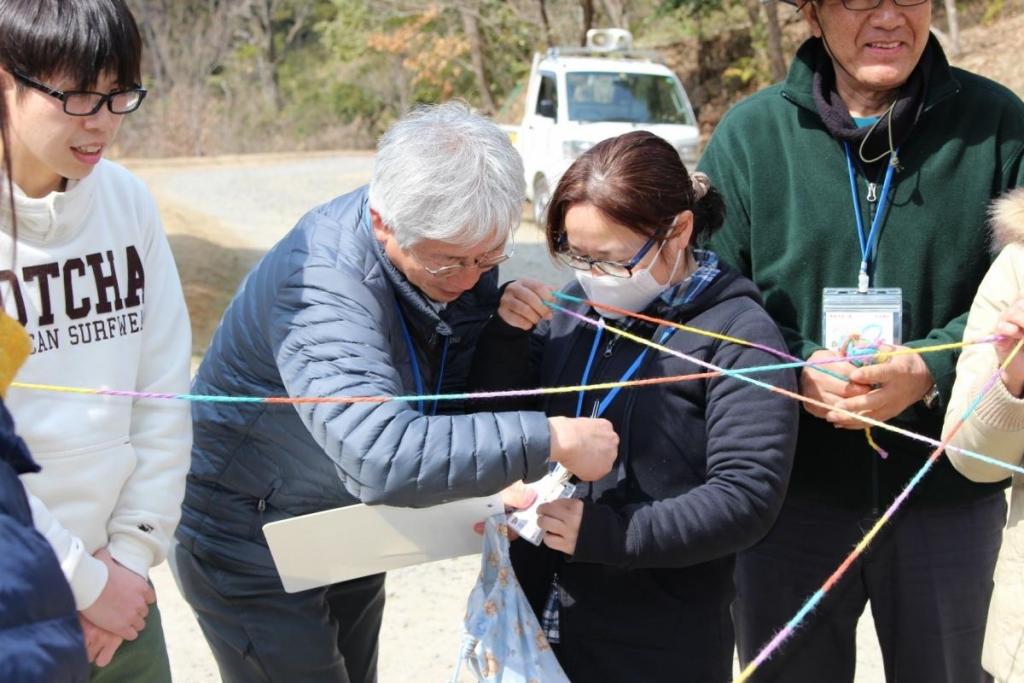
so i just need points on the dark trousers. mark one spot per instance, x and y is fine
(928, 575)
(260, 634)
(701, 651)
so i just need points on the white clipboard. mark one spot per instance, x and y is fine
(359, 540)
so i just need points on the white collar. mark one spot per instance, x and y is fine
(53, 218)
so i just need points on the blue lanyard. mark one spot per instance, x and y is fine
(867, 246)
(416, 364)
(626, 376)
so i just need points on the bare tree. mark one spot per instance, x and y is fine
(588, 19)
(545, 22)
(266, 16)
(953, 24)
(186, 42)
(471, 26)
(186, 39)
(765, 12)
(616, 12)
(558, 21)
(776, 59)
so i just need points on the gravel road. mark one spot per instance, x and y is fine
(253, 202)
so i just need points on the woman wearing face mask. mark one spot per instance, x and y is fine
(633, 579)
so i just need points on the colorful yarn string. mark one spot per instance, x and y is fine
(216, 398)
(480, 395)
(712, 371)
(854, 350)
(793, 395)
(876, 355)
(683, 328)
(787, 631)
(860, 352)
(294, 400)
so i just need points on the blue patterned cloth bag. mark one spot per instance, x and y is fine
(503, 642)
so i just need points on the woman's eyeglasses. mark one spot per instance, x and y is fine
(613, 268)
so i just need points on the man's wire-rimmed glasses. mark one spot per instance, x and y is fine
(85, 102)
(866, 5)
(483, 263)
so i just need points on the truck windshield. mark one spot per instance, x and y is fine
(628, 97)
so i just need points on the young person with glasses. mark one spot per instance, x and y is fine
(40, 633)
(870, 170)
(379, 292)
(633, 580)
(95, 285)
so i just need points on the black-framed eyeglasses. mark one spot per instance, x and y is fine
(85, 102)
(613, 268)
(483, 263)
(866, 5)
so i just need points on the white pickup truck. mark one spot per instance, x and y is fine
(577, 97)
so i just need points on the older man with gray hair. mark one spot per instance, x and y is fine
(380, 292)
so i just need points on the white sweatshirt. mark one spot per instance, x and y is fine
(95, 285)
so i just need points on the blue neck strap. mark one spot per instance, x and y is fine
(626, 376)
(868, 244)
(417, 376)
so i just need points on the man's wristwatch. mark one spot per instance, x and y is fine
(931, 397)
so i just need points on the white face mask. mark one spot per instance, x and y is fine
(633, 294)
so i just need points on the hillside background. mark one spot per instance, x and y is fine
(241, 76)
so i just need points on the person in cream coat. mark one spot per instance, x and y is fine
(996, 427)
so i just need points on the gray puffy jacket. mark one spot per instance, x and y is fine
(319, 316)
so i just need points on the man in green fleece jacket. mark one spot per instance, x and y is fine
(803, 166)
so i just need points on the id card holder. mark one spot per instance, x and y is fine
(874, 316)
(554, 485)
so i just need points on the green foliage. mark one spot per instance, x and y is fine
(509, 44)
(672, 20)
(317, 92)
(693, 7)
(276, 73)
(356, 65)
(744, 71)
(993, 8)
(344, 32)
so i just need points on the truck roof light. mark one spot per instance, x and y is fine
(608, 39)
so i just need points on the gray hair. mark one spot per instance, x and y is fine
(444, 173)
